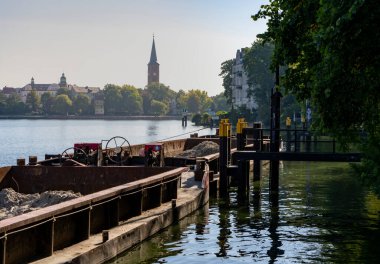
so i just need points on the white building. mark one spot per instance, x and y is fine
(40, 89)
(240, 85)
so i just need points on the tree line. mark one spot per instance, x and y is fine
(331, 55)
(155, 99)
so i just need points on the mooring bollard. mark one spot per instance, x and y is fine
(21, 162)
(243, 166)
(105, 235)
(32, 160)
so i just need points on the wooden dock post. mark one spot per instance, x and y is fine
(243, 166)
(257, 145)
(224, 133)
(275, 141)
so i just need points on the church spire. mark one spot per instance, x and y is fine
(153, 55)
(153, 66)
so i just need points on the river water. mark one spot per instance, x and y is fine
(324, 215)
(24, 138)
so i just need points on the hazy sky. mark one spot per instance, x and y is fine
(95, 42)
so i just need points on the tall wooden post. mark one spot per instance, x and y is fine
(224, 133)
(275, 135)
(243, 166)
(257, 146)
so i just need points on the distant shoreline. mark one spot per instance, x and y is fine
(52, 117)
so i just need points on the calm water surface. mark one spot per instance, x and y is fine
(323, 216)
(23, 138)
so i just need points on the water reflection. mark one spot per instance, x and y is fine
(320, 215)
(275, 249)
(224, 228)
(152, 129)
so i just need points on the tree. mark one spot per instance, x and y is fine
(226, 74)
(66, 92)
(3, 103)
(82, 105)
(47, 101)
(14, 105)
(198, 101)
(181, 101)
(160, 92)
(329, 48)
(158, 108)
(131, 100)
(62, 104)
(33, 101)
(112, 99)
(197, 119)
(220, 103)
(257, 61)
(193, 103)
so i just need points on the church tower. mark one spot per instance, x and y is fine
(153, 66)
(62, 81)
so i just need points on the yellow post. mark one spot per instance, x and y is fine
(288, 121)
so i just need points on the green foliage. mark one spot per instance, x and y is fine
(131, 100)
(112, 99)
(241, 112)
(158, 108)
(333, 58)
(3, 103)
(33, 101)
(47, 101)
(62, 104)
(66, 92)
(226, 74)
(197, 119)
(82, 105)
(206, 119)
(14, 105)
(160, 92)
(194, 101)
(220, 103)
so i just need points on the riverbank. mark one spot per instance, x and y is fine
(91, 117)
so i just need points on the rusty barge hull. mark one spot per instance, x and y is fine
(111, 195)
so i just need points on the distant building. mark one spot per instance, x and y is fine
(99, 103)
(8, 91)
(62, 81)
(153, 66)
(240, 84)
(94, 93)
(89, 91)
(40, 89)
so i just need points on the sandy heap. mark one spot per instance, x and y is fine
(203, 149)
(13, 203)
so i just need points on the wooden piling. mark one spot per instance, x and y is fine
(224, 133)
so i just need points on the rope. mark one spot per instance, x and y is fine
(183, 134)
(26, 228)
(68, 214)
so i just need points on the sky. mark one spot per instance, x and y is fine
(96, 42)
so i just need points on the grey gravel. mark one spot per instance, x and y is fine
(203, 149)
(13, 203)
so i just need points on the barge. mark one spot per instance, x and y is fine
(128, 194)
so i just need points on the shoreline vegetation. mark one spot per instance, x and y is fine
(89, 117)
